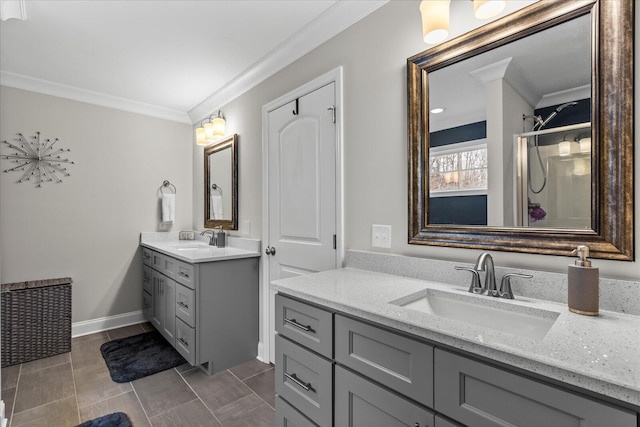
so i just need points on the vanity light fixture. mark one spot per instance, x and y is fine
(585, 145)
(485, 9)
(435, 20)
(12, 9)
(564, 148)
(435, 16)
(212, 130)
(437, 110)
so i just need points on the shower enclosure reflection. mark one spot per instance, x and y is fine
(553, 170)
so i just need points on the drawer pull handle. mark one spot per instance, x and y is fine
(299, 383)
(147, 256)
(183, 305)
(184, 274)
(293, 322)
(183, 342)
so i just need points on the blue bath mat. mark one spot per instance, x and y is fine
(132, 358)
(117, 419)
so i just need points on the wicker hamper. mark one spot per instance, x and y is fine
(36, 320)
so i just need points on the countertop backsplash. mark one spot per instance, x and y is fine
(615, 295)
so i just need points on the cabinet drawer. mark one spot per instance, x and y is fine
(185, 274)
(185, 307)
(288, 416)
(360, 402)
(308, 325)
(164, 264)
(400, 363)
(186, 341)
(147, 306)
(305, 380)
(477, 394)
(147, 256)
(146, 278)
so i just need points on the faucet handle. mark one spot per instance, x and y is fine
(476, 287)
(505, 286)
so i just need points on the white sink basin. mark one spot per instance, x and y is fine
(483, 311)
(190, 247)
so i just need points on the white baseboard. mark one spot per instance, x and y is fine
(261, 357)
(105, 323)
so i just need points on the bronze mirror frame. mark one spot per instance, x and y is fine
(228, 143)
(611, 235)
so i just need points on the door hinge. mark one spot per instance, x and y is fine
(335, 244)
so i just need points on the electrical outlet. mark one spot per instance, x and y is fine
(380, 236)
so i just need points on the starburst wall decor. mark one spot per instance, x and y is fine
(40, 161)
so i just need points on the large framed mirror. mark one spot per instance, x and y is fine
(534, 149)
(221, 184)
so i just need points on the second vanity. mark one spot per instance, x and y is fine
(202, 299)
(356, 347)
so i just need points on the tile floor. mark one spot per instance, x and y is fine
(71, 388)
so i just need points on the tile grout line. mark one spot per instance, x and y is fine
(75, 389)
(15, 397)
(135, 393)
(255, 375)
(253, 391)
(198, 396)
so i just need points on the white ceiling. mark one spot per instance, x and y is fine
(178, 60)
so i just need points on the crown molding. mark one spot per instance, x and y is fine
(46, 87)
(333, 21)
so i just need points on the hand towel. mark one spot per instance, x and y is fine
(216, 207)
(168, 208)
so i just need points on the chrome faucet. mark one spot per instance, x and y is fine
(212, 239)
(485, 263)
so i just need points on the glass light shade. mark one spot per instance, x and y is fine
(585, 145)
(564, 148)
(208, 130)
(218, 127)
(435, 20)
(200, 138)
(485, 9)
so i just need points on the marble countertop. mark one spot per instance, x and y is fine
(198, 251)
(601, 354)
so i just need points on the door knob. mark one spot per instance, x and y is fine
(270, 250)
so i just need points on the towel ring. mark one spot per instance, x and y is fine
(167, 184)
(217, 188)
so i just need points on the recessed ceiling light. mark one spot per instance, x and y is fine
(437, 110)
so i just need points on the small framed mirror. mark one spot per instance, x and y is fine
(221, 184)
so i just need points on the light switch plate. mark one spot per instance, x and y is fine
(380, 236)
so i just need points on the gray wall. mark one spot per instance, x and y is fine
(88, 226)
(373, 53)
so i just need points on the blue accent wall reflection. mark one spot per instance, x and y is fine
(460, 210)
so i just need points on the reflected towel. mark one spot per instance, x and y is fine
(216, 207)
(168, 208)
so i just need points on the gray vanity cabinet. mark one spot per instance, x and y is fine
(359, 402)
(208, 311)
(382, 377)
(478, 394)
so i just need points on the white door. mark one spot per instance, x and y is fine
(302, 187)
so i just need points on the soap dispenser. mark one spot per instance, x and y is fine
(583, 281)
(220, 238)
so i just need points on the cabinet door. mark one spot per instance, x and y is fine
(305, 324)
(359, 402)
(478, 394)
(169, 320)
(147, 306)
(304, 379)
(185, 305)
(287, 416)
(158, 301)
(403, 364)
